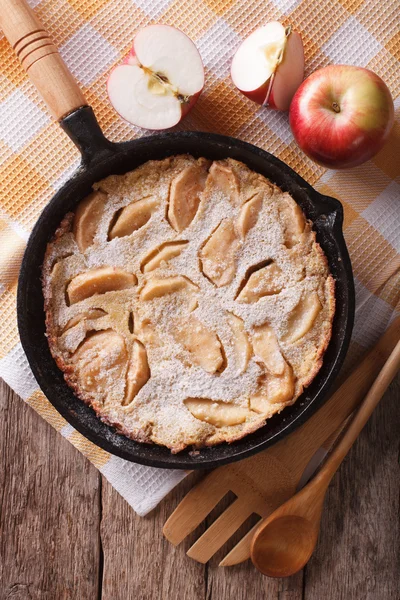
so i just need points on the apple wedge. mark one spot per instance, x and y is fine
(219, 414)
(87, 219)
(268, 66)
(98, 281)
(160, 80)
(100, 360)
(138, 372)
(218, 255)
(241, 345)
(202, 344)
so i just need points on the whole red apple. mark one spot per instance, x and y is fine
(341, 116)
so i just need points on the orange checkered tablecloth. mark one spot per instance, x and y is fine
(93, 35)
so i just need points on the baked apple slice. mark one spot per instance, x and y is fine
(302, 318)
(138, 372)
(100, 360)
(88, 315)
(249, 214)
(202, 344)
(241, 344)
(275, 389)
(293, 220)
(265, 281)
(157, 287)
(162, 254)
(217, 413)
(225, 180)
(266, 347)
(99, 281)
(146, 331)
(184, 196)
(217, 256)
(133, 217)
(87, 218)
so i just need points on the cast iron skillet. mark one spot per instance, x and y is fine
(101, 158)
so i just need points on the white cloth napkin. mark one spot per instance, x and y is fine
(103, 31)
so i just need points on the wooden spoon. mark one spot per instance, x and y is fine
(286, 540)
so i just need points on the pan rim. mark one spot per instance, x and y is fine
(209, 457)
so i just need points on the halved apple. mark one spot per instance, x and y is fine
(160, 80)
(268, 66)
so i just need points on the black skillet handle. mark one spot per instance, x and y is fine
(328, 212)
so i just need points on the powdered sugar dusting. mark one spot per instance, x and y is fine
(158, 409)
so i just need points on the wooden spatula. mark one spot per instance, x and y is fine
(263, 482)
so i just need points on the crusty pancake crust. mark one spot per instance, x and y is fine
(187, 301)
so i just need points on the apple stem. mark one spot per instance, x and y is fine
(336, 107)
(182, 99)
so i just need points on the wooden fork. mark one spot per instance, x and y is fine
(267, 480)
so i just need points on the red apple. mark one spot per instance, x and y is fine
(341, 116)
(159, 81)
(268, 66)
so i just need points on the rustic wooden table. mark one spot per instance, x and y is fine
(67, 534)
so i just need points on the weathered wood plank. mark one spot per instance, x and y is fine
(359, 548)
(49, 510)
(138, 561)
